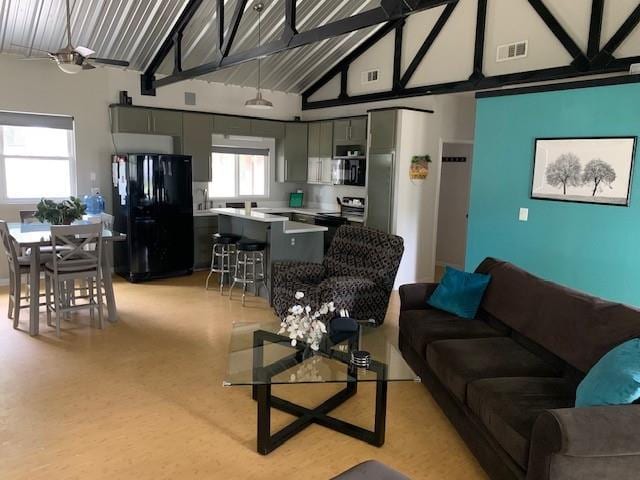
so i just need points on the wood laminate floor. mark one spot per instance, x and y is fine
(143, 399)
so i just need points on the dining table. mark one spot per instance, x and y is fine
(35, 235)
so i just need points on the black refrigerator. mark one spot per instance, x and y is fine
(153, 205)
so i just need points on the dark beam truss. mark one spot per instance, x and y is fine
(388, 11)
(595, 61)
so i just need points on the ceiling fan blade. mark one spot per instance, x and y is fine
(84, 51)
(34, 58)
(30, 48)
(87, 66)
(108, 61)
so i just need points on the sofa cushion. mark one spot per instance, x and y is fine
(459, 362)
(508, 408)
(421, 327)
(572, 325)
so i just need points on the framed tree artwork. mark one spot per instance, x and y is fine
(585, 170)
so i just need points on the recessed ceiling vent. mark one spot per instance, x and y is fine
(512, 51)
(370, 76)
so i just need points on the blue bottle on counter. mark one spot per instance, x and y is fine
(94, 203)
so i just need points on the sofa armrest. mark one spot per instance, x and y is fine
(296, 272)
(414, 296)
(586, 433)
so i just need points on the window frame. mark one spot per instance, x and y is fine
(5, 199)
(249, 143)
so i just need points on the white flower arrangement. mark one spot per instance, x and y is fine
(302, 325)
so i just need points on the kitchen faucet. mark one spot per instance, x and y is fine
(205, 199)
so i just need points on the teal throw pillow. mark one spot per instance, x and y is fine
(614, 380)
(459, 292)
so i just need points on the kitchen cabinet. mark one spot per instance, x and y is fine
(320, 152)
(292, 153)
(229, 125)
(203, 229)
(267, 128)
(350, 131)
(382, 131)
(166, 122)
(126, 119)
(196, 139)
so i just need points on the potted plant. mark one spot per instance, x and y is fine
(60, 213)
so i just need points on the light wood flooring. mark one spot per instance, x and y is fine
(143, 399)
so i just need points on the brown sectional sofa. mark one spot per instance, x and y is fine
(507, 380)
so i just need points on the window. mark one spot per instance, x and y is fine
(36, 157)
(239, 172)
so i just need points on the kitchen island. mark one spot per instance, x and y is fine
(285, 239)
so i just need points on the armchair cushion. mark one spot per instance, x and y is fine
(414, 296)
(304, 272)
(362, 297)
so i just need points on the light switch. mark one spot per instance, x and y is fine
(524, 215)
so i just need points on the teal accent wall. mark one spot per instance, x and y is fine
(593, 248)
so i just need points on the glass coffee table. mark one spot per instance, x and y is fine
(260, 358)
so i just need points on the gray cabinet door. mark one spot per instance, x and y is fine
(267, 128)
(383, 131)
(314, 140)
(341, 132)
(229, 125)
(295, 152)
(166, 122)
(358, 131)
(203, 230)
(130, 120)
(197, 128)
(326, 139)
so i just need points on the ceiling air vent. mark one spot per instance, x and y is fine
(370, 76)
(512, 51)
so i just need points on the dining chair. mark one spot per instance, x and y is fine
(19, 265)
(80, 261)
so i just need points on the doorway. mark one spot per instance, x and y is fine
(455, 186)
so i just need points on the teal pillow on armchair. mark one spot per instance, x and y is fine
(459, 292)
(614, 380)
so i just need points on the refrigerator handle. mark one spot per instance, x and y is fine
(391, 192)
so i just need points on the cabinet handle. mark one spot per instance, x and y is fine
(349, 132)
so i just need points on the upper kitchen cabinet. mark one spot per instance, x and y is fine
(130, 119)
(126, 119)
(292, 154)
(196, 139)
(166, 122)
(350, 131)
(383, 131)
(320, 152)
(229, 125)
(267, 128)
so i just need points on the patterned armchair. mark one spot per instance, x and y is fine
(357, 274)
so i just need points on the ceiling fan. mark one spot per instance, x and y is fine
(72, 59)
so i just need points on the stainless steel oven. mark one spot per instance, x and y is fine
(349, 171)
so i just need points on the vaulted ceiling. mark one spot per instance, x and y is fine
(134, 31)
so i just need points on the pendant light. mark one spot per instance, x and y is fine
(258, 102)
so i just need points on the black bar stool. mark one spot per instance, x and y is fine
(249, 255)
(224, 249)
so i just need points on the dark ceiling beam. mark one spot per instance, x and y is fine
(606, 53)
(579, 58)
(397, 55)
(233, 27)
(426, 45)
(359, 21)
(147, 79)
(289, 20)
(350, 57)
(220, 15)
(498, 81)
(595, 28)
(177, 53)
(478, 51)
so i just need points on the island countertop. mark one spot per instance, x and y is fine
(288, 227)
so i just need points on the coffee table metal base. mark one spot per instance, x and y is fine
(319, 415)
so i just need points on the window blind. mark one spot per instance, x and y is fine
(241, 150)
(16, 119)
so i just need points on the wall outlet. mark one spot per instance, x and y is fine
(293, 241)
(524, 215)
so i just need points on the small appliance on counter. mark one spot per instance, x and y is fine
(296, 199)
(352, 207)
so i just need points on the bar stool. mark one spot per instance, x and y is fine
(224, 248)
(249, 254)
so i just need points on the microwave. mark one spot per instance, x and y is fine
(349, 171)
